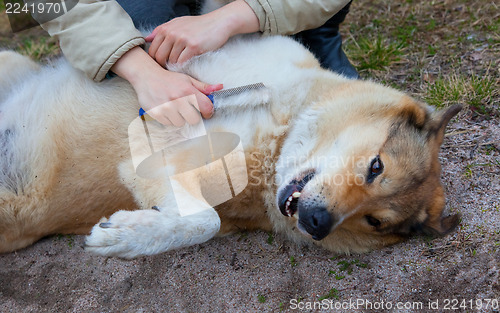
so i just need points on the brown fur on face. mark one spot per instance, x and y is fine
(405, 199)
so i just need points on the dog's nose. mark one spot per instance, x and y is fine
(316, 221)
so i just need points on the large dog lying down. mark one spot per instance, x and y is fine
(346, 165)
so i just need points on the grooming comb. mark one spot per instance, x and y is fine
(226, 93)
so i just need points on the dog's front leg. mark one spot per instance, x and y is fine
(129, 234)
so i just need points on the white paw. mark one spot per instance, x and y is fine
(125, 234)
(129, 234)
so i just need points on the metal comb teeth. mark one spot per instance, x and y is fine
(235, 91)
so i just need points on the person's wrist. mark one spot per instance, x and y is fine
(134, 66)
(239, 18)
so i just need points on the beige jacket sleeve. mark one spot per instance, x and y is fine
(287, 17)
(94, 35)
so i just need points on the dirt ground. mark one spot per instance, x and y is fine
(261, 272)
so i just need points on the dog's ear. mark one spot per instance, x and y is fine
(440, 120)
(414, 112)
(436, 224)
(440, 226)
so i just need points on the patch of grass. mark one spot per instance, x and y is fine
(431, 25)
(374, 53)
(332, 294)
(69, 238)
(38, 48)
(345, 266)
(359, 264)
(468, 170)
(293, 262)
(479, 92)
(431, 50)
(489, 149)
(242, 235)
(261, 298)
(270, 238)
(405, 34)
(337, 276)
(2, 6)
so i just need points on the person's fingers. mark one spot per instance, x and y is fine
(185, 55)
(211, 88)
(163, 53)
(205, 105)
(157, 41)
(176, 50)
(167, 113)
(158, 116)
(204, 87)
(151, 36)
(174, 116)
(189, 112)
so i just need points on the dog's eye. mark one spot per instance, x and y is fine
(372, 221)
(376, 168)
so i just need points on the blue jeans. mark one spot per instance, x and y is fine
(326, 44)
(147, 14)
(325, 41)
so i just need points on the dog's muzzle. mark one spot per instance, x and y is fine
(313, 220)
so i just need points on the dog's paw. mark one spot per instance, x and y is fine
(125, 234)
(129, 234)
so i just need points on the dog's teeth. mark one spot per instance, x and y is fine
(296, 194)
(287, 209)
(290, 198)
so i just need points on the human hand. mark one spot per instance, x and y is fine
(185, 37)
(174, 98)
(170, 98)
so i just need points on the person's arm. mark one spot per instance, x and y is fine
(94, 35)
(287, 17)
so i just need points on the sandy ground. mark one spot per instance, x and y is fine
(258, 272)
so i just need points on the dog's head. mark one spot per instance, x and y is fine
(360, 170)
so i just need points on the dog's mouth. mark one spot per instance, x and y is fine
(290, 195)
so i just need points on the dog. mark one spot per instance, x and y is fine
(346, 165)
